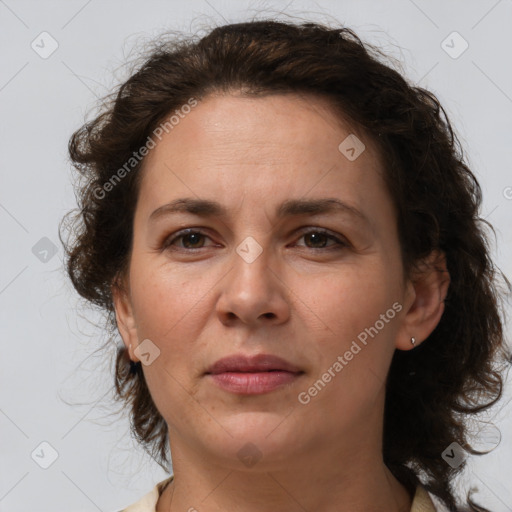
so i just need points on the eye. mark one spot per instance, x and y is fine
(318, 239)
(190, 238)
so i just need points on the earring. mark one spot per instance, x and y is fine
(413, 340)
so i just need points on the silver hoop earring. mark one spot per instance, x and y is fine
(413, 340)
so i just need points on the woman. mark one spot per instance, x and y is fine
(286, 236)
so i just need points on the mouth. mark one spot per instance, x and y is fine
(251, 375)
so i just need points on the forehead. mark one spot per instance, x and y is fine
(284, 144)
(261, 123)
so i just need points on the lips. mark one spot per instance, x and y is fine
(252, 364)
(253, 375)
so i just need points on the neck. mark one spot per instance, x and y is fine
(326, 484)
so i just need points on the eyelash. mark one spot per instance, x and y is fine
(167, 243)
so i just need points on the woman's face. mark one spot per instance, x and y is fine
(276, 269)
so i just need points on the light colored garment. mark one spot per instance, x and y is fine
(423, 501)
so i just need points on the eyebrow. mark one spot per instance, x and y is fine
(291, 207)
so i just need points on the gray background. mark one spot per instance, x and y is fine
(53, 387)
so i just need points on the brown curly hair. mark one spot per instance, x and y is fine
(430, 390)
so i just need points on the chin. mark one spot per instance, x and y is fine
(258, 435)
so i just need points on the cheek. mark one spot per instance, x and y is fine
(354, 352)
(163, 297)
(349, 300)
(172, 309)
(168, 310)
(350, 305)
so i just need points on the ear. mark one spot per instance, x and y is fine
(125, 317)
(424, 301)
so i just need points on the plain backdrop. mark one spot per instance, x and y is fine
(55, 389)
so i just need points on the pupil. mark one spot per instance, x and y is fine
(315, 237)
(193, 236)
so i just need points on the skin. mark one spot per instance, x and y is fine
(296, 300)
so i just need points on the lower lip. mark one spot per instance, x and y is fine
(253, 383)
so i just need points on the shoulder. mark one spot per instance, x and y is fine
(425, 501)
(148, 502)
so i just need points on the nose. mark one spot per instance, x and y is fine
(253, 293)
